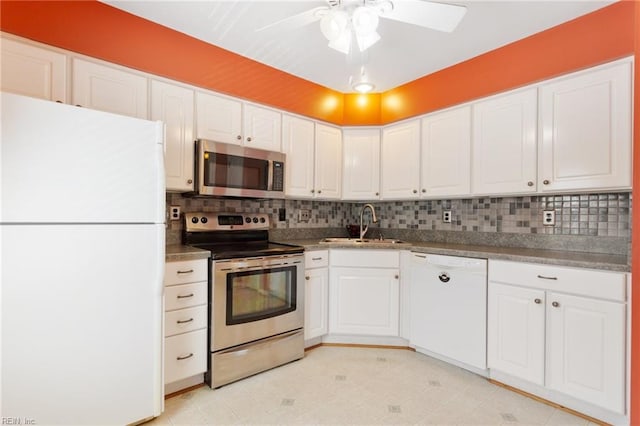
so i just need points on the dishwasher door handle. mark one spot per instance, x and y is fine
(444, 277)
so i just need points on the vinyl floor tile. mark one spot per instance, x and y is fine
(361, 386)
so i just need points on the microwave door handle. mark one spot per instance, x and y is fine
(270, 176)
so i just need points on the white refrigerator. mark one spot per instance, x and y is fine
(82, 232)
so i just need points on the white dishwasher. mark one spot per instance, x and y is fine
(449, 307)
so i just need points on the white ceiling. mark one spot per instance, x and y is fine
(405, 52)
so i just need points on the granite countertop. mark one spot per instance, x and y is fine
(178, 252)
(610, 262)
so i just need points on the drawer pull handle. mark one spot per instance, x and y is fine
(555, 304)
(184, 321)
(542, 277)
(422, 256)
(185, 296)
(190, 271)
(307, 278)
(316, 258)
(180, 358)
(538, 301)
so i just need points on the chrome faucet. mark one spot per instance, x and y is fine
(374, 219)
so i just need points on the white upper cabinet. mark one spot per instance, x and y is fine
(298, 142)
(218, 118)
(361, 172)
(504, 144)
(227, 120)
(328, 162)
(401, 160)
(174, 106)
(32, 71)
(262, 128)
(109, 89)
(585, 121)
(446, 153)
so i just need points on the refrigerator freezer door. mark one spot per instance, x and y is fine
(66, 164)
(81, 317)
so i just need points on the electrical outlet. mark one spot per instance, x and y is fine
(548, 217)
(304, 215)
(446, 216)
(174, 212)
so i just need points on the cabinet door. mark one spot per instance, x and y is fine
(446, 153)
(31, 71)
(298, 137)
(218, 118)
(586, 131)
(586, 349)
(515, 331)
(401, 161)
(316, 299)
(504, 144)
(328, 164)
(364, 301)
(262, 128)
(108, 89)
(174, 106)
(361, 171)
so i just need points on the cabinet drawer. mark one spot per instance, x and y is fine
(184, 320)
(316, 259)
(188, 271)
(185, 355)
(185, 296)
(584, 282)
(365, 258)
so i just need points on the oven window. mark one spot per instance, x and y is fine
(232, 171)
(256, 295)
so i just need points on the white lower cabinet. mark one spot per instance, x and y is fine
(563, 329)
(316, 294)
(364, 292)
(185, 318)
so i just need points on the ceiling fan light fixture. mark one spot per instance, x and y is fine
(342, 43)
(365, 21)
(363, 86)
(365, 42)
(334, 24)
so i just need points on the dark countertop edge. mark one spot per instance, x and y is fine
(602, 261)
(178, 252)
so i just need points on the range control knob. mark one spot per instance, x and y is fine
(204, 219)
(194, 220)
(262, 220)
(255, 220)
(247, 219)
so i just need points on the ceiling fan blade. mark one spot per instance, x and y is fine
(296, 21)
(428, 14)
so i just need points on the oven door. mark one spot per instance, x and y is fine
(256, 298)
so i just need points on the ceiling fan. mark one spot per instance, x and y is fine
(352, 24)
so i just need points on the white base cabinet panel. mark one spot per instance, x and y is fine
(316, 294)
(586, 349)
(364, 301)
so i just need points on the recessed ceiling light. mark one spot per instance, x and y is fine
(363, 86)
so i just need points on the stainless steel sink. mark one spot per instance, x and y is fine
(361, 241)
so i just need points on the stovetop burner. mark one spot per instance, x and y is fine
(233, 235)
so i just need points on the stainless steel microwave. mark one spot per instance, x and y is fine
(235, 171)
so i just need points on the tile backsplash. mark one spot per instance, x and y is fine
(595, 215)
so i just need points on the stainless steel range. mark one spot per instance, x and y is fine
(256, 295)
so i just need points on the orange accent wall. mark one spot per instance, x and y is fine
(598, 37)
(635, 236)
(107, 33)
(361, 109)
